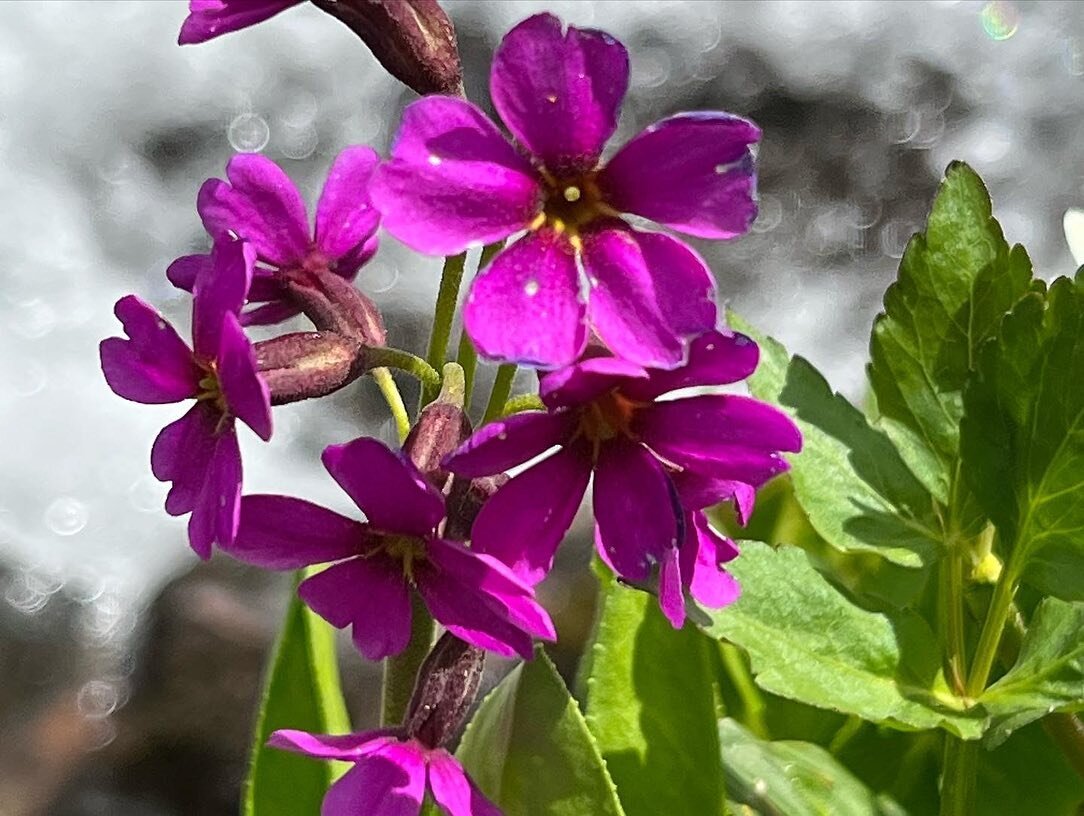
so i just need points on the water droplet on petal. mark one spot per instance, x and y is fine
(66, 516)
(531, 287)
(551, 98)
(434, 159)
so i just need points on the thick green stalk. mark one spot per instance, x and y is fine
(996, 618)
(398, 409)
(502, 387)
(447, 299)
(401, 671)
(958, 776)
(951, 584)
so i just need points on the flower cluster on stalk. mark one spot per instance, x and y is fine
(621, 323)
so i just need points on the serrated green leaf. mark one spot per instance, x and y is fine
(788, 778)
(649, 702)
(853, 484)
(956, 280)
(1023, 438)
(1028, 776)
(530, 751)
(809, 642)
(1048, 674)
(301, 691)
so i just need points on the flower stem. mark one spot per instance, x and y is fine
(996, 617)
(447, 299)
(390, 390)
(401, 671)
(384, 357)
(502, 387)
(524, 402)
(952, 616)
(958, 776)
(752, 702)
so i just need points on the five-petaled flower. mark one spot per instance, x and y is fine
(453, 181)
(655, 463)
(260, 204)
(391, 774)
(198, 452)
(208, 19)
(378, 563)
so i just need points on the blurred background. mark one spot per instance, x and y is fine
(128, 671)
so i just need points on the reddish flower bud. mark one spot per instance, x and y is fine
(308, 364)
(464, 502)
(441, 428)
(413, 39)
(334, 304)
(447, 685)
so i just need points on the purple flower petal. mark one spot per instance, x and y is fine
(486, 575)
(635, 516)
(183, 272)
(453, 789)
(283, 533)
(693, 172)
(182, 454)
(346, 747)
(220, 290)
(453, 180)
(154, 365)
(269, 314)
(526, 306)
(671, 592)
(387, 782)
(702, 556)
(623, 306)
(700, 490)
(208, 19)
(348, 265)
(388, 489)
(345, 216)
(735, 463)
(559, 93)
(262, 206)
(683, 284)
(508, 442)
(711, 426)
(715, 358)
(369, 593)
(215, 516)
(524, 521)
(247, 395)
(578, 384)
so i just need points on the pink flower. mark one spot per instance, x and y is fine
(260, 204)
(198, 452)
(208, 19)
(379, 563)
(390, 776)
(454, 181)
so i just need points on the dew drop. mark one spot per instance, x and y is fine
(531, 287)
(434, 159)
(66, 516)
(248, 133)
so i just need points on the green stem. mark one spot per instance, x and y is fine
(523, 402)
(398, 409)
(996, 617)
(502, 387)
(958, 776)
(752, 702)
(401, 671)
(447, 299)
(384, 357)
(952, 613)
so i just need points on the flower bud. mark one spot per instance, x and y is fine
(464, 503)
(447, 685)
(441, 428)
(308, 364)
(413, 39)
(334, 304)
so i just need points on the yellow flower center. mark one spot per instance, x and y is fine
(570, 204)
(210, 389)
(410, 550)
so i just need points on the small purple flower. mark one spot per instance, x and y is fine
(454, 181)
(260, 204)
(654, 462)
(198, 452)
(208, 19)
(390, 776)
(474, 596)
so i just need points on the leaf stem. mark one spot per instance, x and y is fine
(502, 387)
(751, 699)
(447, 298)
(958, 776)
(996, 617)
(401, 671)
(394, 399)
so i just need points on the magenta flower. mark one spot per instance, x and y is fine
(474, 596)
(208, 19)
(198, 452)
(454, 181)
(260, 204)
(654, 462)
(390, 776)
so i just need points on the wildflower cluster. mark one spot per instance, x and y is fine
(621, 323)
